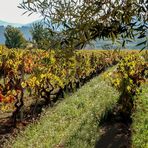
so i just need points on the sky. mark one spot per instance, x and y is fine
(9, 12)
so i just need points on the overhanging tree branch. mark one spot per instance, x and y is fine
(85, 20)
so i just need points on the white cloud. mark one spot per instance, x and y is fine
(11, 13)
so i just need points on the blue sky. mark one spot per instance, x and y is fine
(10, 13)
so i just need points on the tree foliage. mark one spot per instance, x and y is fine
(85, 20)
(14, 37)
(44, 37)
(40, 36)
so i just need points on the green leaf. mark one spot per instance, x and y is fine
(142, 43)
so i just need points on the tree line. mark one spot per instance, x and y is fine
(42, 37)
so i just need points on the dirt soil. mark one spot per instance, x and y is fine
(7, 129)
(115, 132)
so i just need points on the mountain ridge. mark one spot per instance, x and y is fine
(5, 23)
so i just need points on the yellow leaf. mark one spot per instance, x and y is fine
(23, 84)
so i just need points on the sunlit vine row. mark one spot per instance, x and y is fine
(130, 74)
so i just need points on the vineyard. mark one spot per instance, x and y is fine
(28, 76)
(31, 78)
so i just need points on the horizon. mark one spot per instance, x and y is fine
(9, 12)
(16, 24)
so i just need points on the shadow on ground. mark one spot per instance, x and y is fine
(115, 132)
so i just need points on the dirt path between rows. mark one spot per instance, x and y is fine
(115, 132)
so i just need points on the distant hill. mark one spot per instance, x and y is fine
(3, 23)
(107, 44)
(24, 28)
(30, 24)
(2, 38)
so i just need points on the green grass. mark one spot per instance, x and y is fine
(140, 121)
(73, 122)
